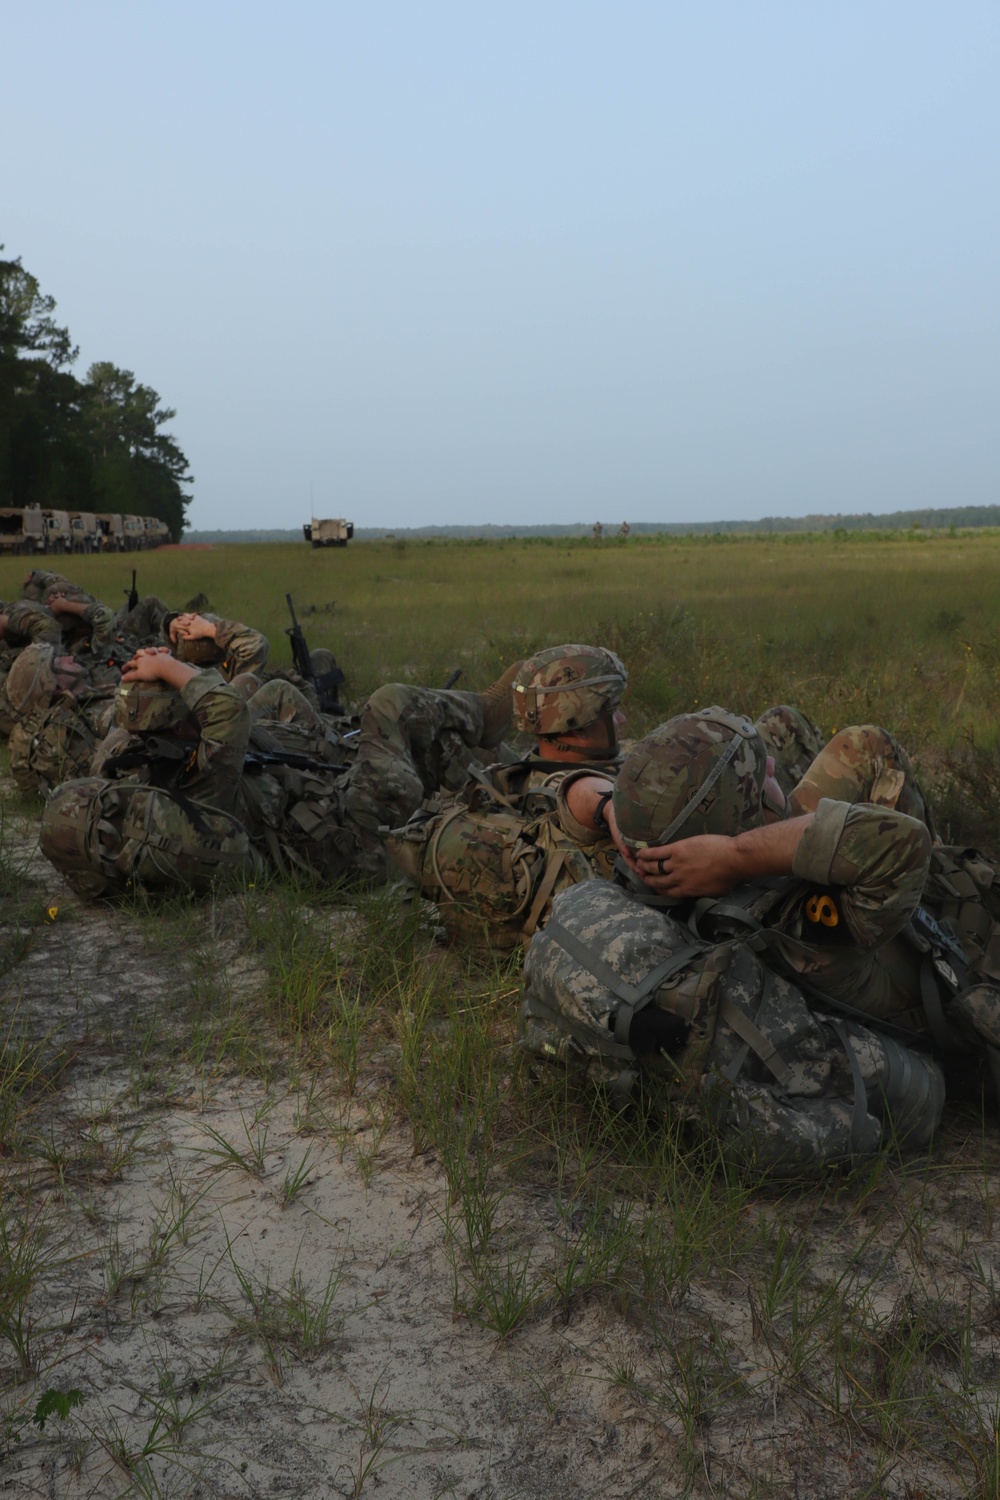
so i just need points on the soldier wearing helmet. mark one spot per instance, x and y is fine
(691, 807)
(493, 857)
(185, 732)
(207, 640)
(726, 997)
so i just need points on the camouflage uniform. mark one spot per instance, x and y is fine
(169, 821)
(862, 764)
(236, 649)
(42, 586)
(735, 1001)
(143, 623)
(951, 994)
(58, 728)
(27, 622)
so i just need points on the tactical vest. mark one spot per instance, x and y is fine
(493, 863)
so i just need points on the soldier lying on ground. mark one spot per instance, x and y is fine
(737, 1010)
(181, 802)
(210, 641)
(493, 857)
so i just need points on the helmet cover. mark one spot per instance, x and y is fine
(565, 688)
(698, 773)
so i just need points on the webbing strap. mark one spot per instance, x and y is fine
(555, 859)
(859, 1113)
(930, 996)
(755, 1041)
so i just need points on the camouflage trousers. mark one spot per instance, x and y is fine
(144, 623)
(413, 741)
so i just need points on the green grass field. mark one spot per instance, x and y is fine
(901, 631)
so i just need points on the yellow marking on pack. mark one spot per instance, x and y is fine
(822, 910)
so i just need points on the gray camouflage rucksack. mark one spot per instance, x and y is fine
(623, 993)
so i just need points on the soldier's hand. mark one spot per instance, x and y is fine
(145, 665)
(707, 865)
(191, 627)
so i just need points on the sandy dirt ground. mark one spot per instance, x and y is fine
(253, 1291)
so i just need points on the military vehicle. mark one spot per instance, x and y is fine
(83, 531)
(135, 533)
(22, 530)
(157, 531)
(58, 536)
(329, 533)
(110, 531)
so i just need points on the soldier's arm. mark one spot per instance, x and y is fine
(874, 860)
(246, 649)
(583, 806)
(223, 720)
(712, 864)
(34, 623)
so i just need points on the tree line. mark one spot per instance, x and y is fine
(95, 444)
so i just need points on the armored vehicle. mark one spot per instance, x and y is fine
(329, 533)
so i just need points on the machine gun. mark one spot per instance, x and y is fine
(132, 594)
(325, 683)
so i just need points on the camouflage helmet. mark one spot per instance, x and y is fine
(203, 652)
(698, 773)
(793, 740)
(566, 687)
(148, 707)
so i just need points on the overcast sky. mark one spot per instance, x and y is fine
(549, 262)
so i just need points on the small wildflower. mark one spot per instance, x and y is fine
(53, 913)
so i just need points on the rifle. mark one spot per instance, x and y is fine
(324, 683)
(132, 594)
(453, 678)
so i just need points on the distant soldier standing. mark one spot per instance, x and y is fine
(598, 531)
(624, 529)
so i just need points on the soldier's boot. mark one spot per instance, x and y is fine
(497, 703)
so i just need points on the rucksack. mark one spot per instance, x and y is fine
(55, 746)
(723, 1044)
(491, 863)
(151, 837)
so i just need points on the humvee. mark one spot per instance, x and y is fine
(328, 533)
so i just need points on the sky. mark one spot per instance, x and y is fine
(431, 264)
